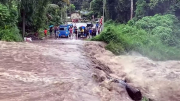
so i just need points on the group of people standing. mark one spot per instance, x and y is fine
(51, 29)
(86, 32)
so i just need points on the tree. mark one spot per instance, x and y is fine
(85, 5)
(118, 10)
(53, 13)
(152, 7)
(71, 8)
(132, 9)
(26, 6)
(97, 8)
(29, 15)
(141, 9)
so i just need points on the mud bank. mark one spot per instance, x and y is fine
(158, 81)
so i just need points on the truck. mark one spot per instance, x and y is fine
(64, 30)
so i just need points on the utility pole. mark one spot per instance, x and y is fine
(66, 12)
(104, 3)
(70, 6)
(90, 5)
(131, 9)
(70, 9)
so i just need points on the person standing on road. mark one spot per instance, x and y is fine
(93, 32)
(76, 31)
(85, 32)
(97, 25)
(71, 32)
(51, 30)
(55, 30)
(45, 32)
(90, 32)
(82, 31)
(98, 30)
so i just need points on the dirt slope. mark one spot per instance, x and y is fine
(158, 81)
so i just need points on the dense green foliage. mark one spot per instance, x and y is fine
(54, 11)
(155, 36)
(154, 30)
(81, 4)
(10, 34)
(28, 16)
(119, 10)
(71, 8)
(152, 7)
(97, 8)
(8, 21)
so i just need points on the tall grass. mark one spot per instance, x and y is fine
(156, 37)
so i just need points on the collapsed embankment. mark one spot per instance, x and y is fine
(157, 80)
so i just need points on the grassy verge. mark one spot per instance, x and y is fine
(156, 37)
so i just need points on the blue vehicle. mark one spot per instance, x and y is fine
(64, 31)
(70, 25)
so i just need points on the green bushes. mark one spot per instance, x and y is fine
(150, 22)
(8, 16)
(8, 28)
(156, 37)
(11, 34)
(116, 48)
(41, 33)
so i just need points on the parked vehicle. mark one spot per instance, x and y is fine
(89, 24)
(70, 25)
(64, 31)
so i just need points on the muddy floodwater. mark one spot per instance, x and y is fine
(53, 70)
(63, 70)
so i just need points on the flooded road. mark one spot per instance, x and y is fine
(51, 70)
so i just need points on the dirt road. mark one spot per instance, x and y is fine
(53, 70)
(71, 70)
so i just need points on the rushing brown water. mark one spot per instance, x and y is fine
(63, 70)
(157, 80)
(51, 70)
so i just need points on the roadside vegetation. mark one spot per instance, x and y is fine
(20, 18)
(156, 37)
(153, 32)
(8, 27)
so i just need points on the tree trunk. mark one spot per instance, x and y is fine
(24, 23)
(131, 9)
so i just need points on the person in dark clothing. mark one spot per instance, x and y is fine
(75, 30)
(51, 30)
(97, 25)
(94, 32)
(85, 32)
(55, 30)
(82, 30)
(90, 31)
